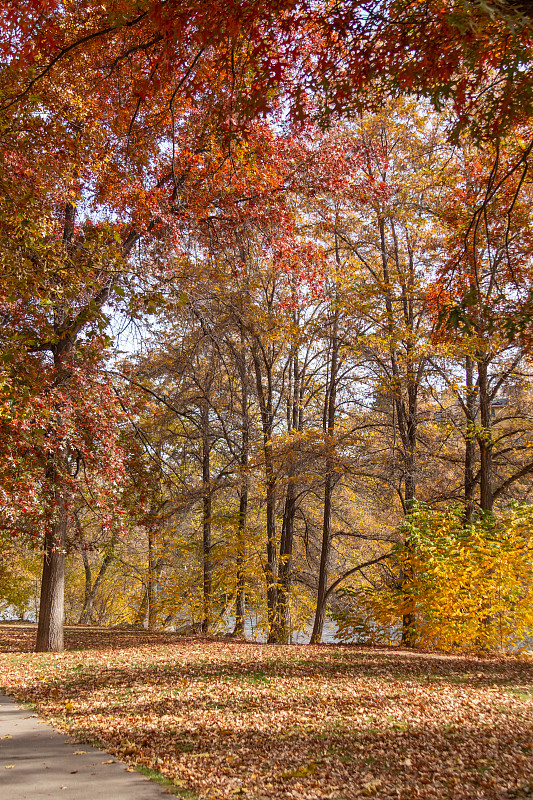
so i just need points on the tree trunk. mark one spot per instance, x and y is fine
(272, 561)
(152, 589)
(86, 613)
(408, 619)
(140, 617)
(320, 613)
(285, 562)
(240, 604)
(86, 616)
(206, 521)
(267, 417)
(294, 424)
(406, 412)
(485, 437)
(91, 589)
(330, 407)
(485, 444)
(470, 442)
(52, 604)
(52, 601)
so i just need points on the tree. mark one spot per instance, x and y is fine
(68, 117)
(486, 272)
(338, 52)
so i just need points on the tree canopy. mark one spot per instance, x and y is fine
(314, 222)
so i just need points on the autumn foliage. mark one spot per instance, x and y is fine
(266, 283)
(469, 585)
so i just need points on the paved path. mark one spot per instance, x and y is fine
(37, 762)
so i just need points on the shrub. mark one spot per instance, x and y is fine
(469, 587)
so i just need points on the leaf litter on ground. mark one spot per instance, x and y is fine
(223, 719)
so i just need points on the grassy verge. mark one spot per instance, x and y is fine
(225, 719)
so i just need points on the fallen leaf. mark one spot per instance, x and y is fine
(371, 787)
(301, 772)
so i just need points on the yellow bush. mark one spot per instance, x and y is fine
(469, 586)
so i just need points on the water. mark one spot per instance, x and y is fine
(254, 633)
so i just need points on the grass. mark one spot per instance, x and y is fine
(168, 783)
(219, 720)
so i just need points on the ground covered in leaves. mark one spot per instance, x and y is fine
(226, 719)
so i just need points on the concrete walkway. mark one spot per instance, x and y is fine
(38, 762)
